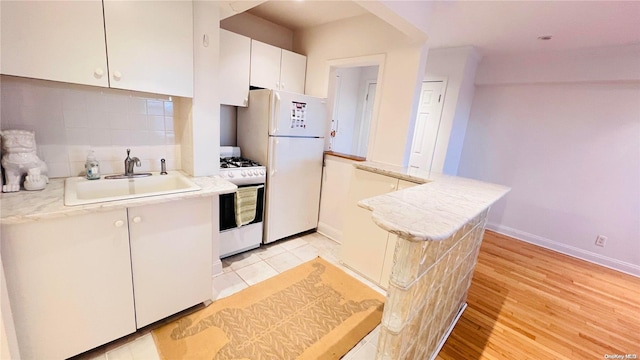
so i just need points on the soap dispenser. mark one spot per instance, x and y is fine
(92, 166)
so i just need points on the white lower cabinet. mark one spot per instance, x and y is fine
(170, 257)
(69, 283)
(72, 281)
(366, 247)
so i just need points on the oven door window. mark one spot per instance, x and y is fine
(228, 210)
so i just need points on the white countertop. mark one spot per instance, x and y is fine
(25, 206)
(432, 211)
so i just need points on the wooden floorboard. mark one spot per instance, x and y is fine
(527, 302)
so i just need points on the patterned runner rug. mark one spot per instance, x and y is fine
(313, 311)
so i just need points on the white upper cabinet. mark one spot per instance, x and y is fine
(150, 46)
(54, 40)
(265, 65)
(293, 68)
(234, 65)
(275, 68)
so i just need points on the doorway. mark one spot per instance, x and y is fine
(354, 92)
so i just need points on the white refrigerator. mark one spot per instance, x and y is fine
(284, 131)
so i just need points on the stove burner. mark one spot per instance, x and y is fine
(236, 162)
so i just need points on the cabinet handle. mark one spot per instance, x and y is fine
(137, 219)
(278, 85)
(392, 186)
(98, 73)
(118, 223)
(282, 86)
(117, 75)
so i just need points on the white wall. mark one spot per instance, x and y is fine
(403, 68)
(619, 63)
(570, 151)
(457, 66)
(204, 121)
(260, 29)
(71, 119)
(228, 125)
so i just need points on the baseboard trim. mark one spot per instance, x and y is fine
(581, 254)
(330, 232)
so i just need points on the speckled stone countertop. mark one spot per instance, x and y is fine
(432, 211)
(25, 206)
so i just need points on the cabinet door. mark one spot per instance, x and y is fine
(235, 61)
(364, 243)
(54, 40)
(170, 257)
(387, 263)
(69, 283)
(150, 46)
(265, 65)
(293, 69)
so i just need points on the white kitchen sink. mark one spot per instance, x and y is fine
(80, 191)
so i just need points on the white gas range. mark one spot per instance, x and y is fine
(235, 236)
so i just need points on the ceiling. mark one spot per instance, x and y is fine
(297, 15)
(491, 26)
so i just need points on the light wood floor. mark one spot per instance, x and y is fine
(527, 302)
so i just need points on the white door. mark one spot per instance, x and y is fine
(297, 115)
(170, 257)
(54, 40)
(150, 46)
(427, 124)
(293, 186)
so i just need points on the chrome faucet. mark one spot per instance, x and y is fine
(129, 162)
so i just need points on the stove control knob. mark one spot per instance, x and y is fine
(255, 172)
(243, 173)
(261, 172)
(223, 174)
(230, 174)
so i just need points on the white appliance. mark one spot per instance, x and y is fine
(284, 131)
(243, 172)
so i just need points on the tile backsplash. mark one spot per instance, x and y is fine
(69, 120)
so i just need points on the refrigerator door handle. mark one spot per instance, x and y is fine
(276, 113)
(274, 171)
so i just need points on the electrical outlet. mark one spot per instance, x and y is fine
(601, 240)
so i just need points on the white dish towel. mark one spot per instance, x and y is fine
(246, 199)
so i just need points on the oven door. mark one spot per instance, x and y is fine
(228, 209)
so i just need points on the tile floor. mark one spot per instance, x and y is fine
(249, 268)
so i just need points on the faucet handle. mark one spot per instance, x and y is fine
(128, 151)
(163, 167)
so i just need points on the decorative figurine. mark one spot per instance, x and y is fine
(19, 158)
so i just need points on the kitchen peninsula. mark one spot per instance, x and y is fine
(439, 227)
